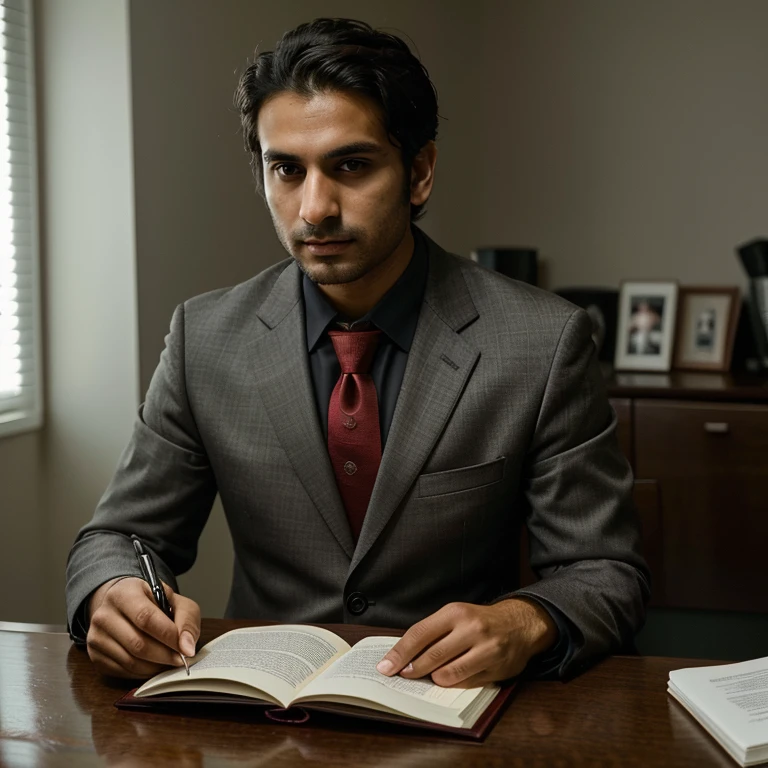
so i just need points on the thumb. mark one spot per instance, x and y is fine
(186, 616)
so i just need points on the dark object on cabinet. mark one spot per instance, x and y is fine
(698, 445)
(754, 259)
(745, 355)
(517, 263)
(602, 306)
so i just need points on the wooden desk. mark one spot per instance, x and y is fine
(55, 710)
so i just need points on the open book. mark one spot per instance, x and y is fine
(731, 702)
(290, 665)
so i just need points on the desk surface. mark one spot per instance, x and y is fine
(55, 710)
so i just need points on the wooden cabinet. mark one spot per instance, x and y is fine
(698, 445)
(710, 462)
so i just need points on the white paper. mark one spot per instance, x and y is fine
(731, 702)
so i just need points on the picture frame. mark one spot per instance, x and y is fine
(647, 322)
(706, 328)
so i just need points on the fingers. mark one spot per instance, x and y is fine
(129, 635)
(111, 658)
(416, 639)
(132, 598)
(120, 649)
(475, 663)
(186, 617)
(464, 645)
(440, 654)
(476, 681)
(140, 609)
(141, 645)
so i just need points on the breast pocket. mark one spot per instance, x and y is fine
(461, 479)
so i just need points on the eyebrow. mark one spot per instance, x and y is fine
(355, 148)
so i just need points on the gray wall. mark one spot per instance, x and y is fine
(622, 139)
(626, 139)
(24, 533)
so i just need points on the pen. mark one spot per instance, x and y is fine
(150, 576)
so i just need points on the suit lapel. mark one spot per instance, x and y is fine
(439, 365)
(281, 367)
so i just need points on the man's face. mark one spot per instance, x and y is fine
(334, 184)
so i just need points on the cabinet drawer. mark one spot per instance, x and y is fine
(684, 439)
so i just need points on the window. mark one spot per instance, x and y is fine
(20, 366)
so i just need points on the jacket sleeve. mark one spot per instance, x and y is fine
(162, 491)
(584, 532)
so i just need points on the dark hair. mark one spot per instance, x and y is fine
(348, 56)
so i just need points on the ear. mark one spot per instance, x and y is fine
(423, 173)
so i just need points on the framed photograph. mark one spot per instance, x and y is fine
(646, 326)
(706, 328)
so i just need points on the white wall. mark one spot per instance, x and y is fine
(92, 377)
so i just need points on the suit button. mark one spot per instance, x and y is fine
(357, 603)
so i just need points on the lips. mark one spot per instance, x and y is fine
(326, 247)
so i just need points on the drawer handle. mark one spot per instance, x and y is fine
(717, 427)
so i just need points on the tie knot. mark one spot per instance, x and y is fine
(355, 349)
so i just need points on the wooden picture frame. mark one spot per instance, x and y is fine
(706, 328)
(646, 325)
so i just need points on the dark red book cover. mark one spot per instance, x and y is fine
(214, 703)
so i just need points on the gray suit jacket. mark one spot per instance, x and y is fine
(502, 419)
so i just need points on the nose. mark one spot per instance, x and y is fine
(319, 199)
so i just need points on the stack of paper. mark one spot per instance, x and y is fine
(731, 702)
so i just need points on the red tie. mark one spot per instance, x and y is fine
(354, 440)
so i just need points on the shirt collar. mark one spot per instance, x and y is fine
(397, 312)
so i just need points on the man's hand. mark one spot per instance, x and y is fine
(466, 645)
(129, 636)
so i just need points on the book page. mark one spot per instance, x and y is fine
(354, 677)
(733, 696)
(277, 660)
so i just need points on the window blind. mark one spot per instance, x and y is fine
(20, 364)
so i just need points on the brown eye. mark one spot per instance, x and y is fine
(286, 171)
(353, 165)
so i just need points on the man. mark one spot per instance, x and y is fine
(378, 416)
